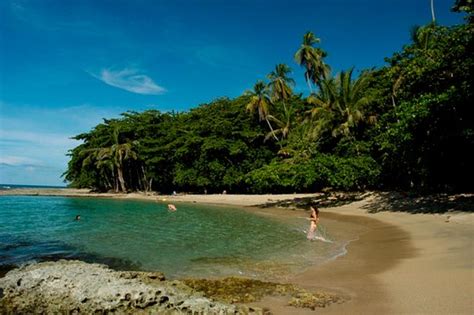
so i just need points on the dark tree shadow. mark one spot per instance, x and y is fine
(383, 201)
(323, 200)
(411, 203)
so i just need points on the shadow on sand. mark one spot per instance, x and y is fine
(322, 200)
(404, 202)
(384, 201)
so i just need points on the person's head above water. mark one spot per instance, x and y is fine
(313, 207)
(78, 217)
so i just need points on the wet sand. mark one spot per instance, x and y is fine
(402, 264)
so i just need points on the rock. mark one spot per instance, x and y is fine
(312, 300)
(76, 287)
(244, 290)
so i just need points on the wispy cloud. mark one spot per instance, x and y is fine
(37, 138)
(130, 80)
(19, 161)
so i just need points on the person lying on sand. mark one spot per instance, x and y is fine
(314, 219)
(172, 207)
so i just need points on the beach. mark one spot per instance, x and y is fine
(404, 263)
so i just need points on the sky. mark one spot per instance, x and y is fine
(65, 65)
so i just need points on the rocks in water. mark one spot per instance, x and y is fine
(75, 287)
(313, 300)
(238, 290)
(78, 287)
(242, 290)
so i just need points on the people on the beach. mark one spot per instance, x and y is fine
(77, 218)
(172, 207)
(314, 219)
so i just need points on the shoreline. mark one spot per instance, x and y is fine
(405, 263)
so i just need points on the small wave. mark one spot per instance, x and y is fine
(322, 239)
(344, 249)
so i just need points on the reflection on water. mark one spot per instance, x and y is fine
(196, 240)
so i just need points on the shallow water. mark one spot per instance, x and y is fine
(196, 240)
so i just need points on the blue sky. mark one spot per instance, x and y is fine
(64, 65)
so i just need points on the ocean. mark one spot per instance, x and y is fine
(11, 186)
(195, 241)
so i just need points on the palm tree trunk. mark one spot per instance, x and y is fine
(121, 179)
(309, 83)
(273, 132)
(116, 184)
(433, 12)
(145, 180)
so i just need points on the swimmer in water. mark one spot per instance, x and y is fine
(314, 220)
(172, 207)
(78, 217)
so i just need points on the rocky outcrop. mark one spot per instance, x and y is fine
(75, 287)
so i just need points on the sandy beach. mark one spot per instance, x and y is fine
(404, 264)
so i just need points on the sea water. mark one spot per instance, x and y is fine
(195, 241)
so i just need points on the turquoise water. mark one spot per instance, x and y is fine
(196, 240)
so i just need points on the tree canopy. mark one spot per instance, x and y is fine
(406, 125)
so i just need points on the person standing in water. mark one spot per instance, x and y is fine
(314, 220)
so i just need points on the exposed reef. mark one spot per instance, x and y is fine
(242, 290)
(75, 287)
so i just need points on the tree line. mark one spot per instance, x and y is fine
(406, 125)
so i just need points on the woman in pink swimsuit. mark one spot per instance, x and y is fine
(314, 219)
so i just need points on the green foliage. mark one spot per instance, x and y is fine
(426, 139)
(323, 171)
(407, 125)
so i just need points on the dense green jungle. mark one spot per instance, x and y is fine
(407, 125)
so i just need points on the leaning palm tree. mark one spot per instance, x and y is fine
(260, 101)
(120, 152)
(90, 158)
(280, 84)
(284, 123)
(111, 160)
(311, 58)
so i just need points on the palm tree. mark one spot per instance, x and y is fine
(111, 160)
(93, 157)
(260, 101)
(311, 58)
(280, 84)
(284, 124)
(120, 152)
(340, 104)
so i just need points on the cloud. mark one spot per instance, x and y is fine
(130, 80)
(19, 161)
(50, 140)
